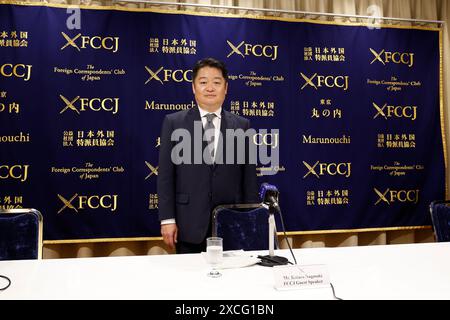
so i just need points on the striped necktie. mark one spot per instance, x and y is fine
(210, 132)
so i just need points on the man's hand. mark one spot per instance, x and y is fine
(169, 233)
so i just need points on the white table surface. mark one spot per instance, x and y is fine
(408, 271)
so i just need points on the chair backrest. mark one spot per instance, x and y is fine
(20, 234)
(242, 226)
(440, 218)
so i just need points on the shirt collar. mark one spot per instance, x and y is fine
(203, 112)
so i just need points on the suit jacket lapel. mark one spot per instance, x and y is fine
(226, 122)
(193, 115)
(193, 118)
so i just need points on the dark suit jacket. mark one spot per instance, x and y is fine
(189, 192)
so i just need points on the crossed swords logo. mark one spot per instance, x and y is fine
(377, 56)
(309, 81)
(153, 170)
(235, 49)
(382, 196)
(67, 203)
(311, 169)
(153, 75)
(70, 41)
(69, 104)
(380, 110)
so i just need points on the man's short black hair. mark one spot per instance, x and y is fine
(210, 62)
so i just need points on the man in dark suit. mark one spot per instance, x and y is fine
(189, 190)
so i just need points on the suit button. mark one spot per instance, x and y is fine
(210, 194)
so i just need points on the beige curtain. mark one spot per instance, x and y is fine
(410, 9)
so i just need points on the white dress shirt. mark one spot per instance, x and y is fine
(216, 123)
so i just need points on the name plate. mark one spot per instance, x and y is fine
(301, 277)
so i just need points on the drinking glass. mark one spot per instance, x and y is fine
(214, 255)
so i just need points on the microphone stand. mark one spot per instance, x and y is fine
(271, 259)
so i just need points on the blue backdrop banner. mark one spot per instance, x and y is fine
(351, 114)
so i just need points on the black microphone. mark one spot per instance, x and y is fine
(269, 196)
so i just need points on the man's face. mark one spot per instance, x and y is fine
(209, 88)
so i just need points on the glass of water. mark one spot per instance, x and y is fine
(214, 255)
